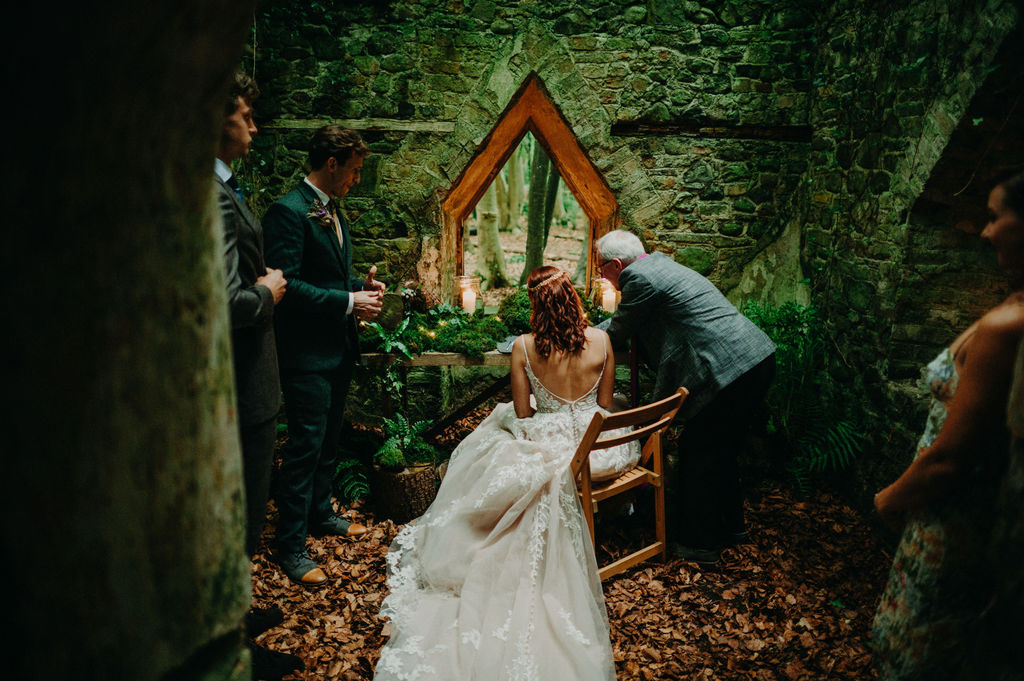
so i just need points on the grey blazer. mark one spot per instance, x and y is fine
(251, 306)
(687, 331)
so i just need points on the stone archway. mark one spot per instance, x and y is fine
(530, 109)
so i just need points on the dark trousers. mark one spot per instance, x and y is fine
(709, 501)
(257, 461)
(315, 405)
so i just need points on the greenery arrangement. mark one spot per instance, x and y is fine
(447, 328)
(405, 445)
(805, 413)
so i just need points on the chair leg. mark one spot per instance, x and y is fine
(659, 506)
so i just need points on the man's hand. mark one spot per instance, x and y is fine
(372, 284)
(365, 305)
(275, 281)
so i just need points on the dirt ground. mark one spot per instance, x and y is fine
(794, 603)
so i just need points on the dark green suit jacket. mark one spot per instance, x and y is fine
(314, 333)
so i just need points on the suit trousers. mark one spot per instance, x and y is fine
(314, 403)
(709, 501)
(257, 461)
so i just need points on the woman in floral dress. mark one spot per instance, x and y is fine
(938, 585)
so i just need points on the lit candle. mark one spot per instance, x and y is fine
(608, 300)
(607, 297)
(469, 300)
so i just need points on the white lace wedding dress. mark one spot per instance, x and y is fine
(498, 580)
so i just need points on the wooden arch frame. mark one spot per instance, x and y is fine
(530, 109)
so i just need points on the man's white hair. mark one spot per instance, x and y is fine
(620, 244)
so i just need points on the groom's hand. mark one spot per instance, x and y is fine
(365, 305)
(372, 284)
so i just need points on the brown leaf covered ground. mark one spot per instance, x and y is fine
(795, 603)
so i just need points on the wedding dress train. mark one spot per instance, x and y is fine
(497, 580)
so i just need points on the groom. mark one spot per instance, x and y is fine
(308, 239)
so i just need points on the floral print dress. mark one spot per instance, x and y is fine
(938, 584)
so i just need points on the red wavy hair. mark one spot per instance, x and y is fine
(558, 320)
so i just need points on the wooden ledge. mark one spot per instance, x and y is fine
(457, 359)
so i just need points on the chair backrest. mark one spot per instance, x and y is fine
(648, 421)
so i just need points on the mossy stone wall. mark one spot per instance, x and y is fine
(689, 111)
(783, 149)
(895, 277)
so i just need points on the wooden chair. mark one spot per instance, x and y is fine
(649, 423)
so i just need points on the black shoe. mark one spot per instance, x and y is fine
(694, 554)
(258, 620)
(270, 665)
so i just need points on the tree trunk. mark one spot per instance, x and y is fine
(515, 186)
(579, 274)
(122, 497)
(535, 231)
(501, 191)
(554, 181)
(491, 259)
(558, 214)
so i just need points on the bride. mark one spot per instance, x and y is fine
(498, 580)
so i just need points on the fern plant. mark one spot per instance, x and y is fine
(804, 410)
(405, 444)
(392, 342)
(350, 481)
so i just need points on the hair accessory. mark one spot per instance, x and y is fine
(547, 280)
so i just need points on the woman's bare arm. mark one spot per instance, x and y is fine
(520, 382)
(605, 391)
(977, 407)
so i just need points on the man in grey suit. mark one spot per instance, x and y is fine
(253, 291)
(692, 336)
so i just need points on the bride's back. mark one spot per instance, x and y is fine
(569, 376)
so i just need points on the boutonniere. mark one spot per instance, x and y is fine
(321, 214)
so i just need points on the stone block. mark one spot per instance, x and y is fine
(698, 259)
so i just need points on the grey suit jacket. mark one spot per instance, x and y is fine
(251, 306)
(686, 330)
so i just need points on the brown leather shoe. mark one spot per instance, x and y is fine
(314, 577)
(356, 530)
(337, 526)
(301, 569)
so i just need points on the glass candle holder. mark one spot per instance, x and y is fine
(605, 295)
(467, 294)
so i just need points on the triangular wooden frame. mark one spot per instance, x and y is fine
(530, 109)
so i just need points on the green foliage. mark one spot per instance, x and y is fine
(350, 481)
(595, 313)
(473, 336)
(391, 342)
(514, 310)
(804, 407)
(405, 444)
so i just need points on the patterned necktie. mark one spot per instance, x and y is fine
(332, 206)
(233, 183)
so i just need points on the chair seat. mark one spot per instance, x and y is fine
(632, 478)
